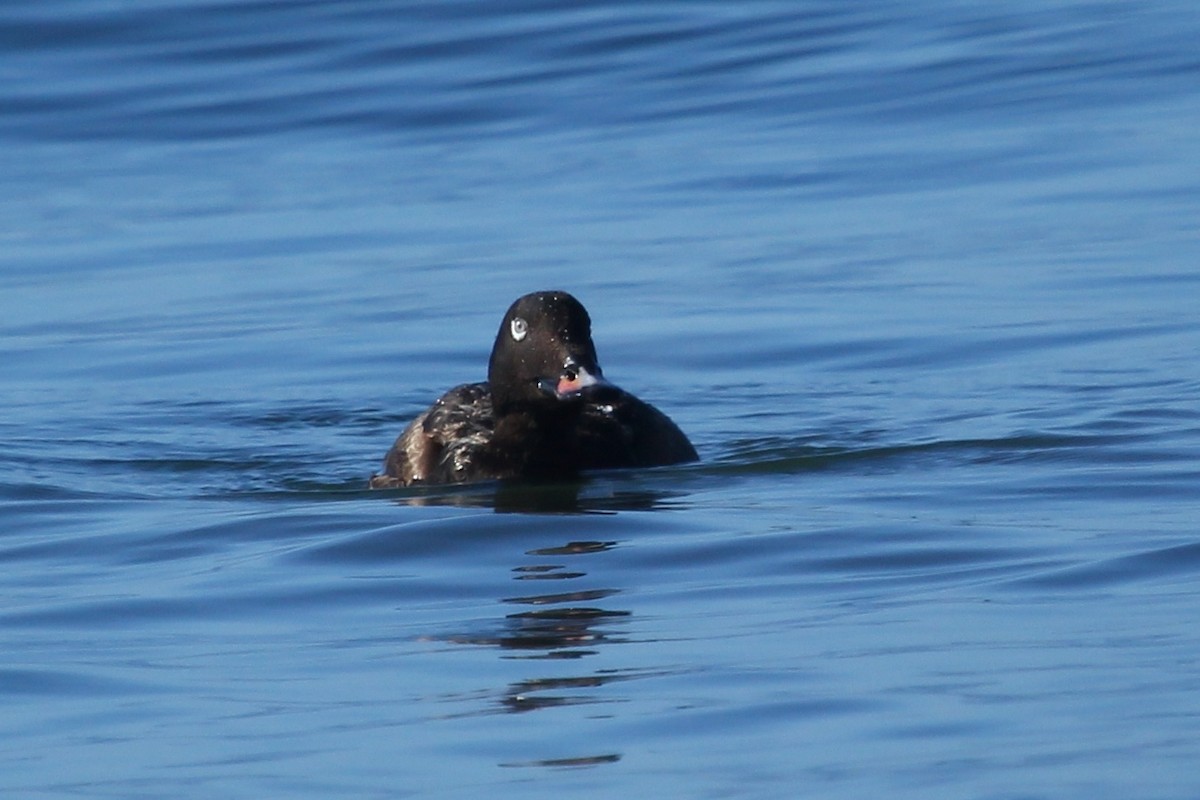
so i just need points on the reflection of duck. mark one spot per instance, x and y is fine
(543, 497)
(560, 626)
(521, 696)
(557, 625)
(564, 624)
(546, 411)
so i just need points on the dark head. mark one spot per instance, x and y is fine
(543, 353)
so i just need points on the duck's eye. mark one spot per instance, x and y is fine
(519, 328)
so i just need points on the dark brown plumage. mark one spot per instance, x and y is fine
(546, 411)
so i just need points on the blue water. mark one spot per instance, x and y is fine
(918, 279)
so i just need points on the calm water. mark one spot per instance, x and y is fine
(919, 279)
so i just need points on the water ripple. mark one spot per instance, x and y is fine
(186, 71)
(1167, 564)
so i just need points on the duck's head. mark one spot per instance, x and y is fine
(543, 355)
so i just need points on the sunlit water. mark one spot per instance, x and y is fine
(919, 280)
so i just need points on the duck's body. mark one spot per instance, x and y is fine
(545, 411)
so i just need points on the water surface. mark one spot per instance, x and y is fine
(918, 280)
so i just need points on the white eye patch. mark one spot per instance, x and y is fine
(518, 327)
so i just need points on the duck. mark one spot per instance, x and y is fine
(545, 412)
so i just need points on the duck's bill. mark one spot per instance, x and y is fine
(572, 383)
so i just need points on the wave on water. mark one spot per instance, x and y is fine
(782, 455)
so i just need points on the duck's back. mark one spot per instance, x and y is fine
(442, 445)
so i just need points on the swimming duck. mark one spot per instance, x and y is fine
(546, 411)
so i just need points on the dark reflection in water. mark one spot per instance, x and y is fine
(528, 497)
(567, 630)
(574, 549)
(554, 629)
(584, 761)
(563, 692)
(561, 625)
